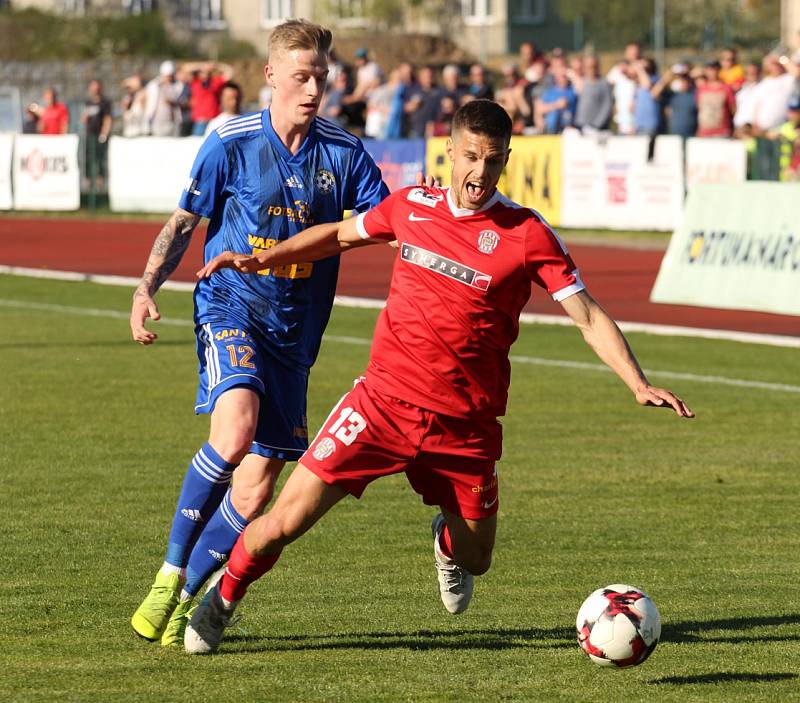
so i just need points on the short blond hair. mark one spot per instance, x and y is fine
(295, 35)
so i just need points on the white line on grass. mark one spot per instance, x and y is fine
(362, 341)
(775, 340)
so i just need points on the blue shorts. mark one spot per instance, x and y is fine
(231, 358)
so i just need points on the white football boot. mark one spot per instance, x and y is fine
(207, 625)
(455, 583)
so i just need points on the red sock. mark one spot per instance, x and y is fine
(445, 545)
(243, 569)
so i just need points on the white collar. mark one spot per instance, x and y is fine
(465, 212)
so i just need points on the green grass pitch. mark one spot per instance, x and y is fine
(96, 433)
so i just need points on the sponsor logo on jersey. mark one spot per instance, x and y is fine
(488, 487)
(230, 333)
(415, 218)
(488, 240)
(193, 514)
(447, 267)
(324, 181)
(216, 555)
(191, 186)
(423, 197)
(325, 447)
(294, 182)
(299, 213)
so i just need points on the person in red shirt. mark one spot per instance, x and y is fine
(205, 89)
(439, 370)
(54, 116)
(716, 104)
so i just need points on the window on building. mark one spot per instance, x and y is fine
(528, 11)
(74, 7)
(349, 13)
(276, 11)
(139, 7)
(477, 11)
(206, 14)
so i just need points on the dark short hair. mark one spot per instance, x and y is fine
(483, 117)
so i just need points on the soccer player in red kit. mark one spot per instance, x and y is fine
(438, 375)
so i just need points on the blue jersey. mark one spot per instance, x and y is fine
(256, 193)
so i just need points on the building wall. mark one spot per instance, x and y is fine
(790, 23)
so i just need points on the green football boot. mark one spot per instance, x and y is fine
(176, 627)
(151, 617)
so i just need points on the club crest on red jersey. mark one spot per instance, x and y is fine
(325, 447)
(488, 240)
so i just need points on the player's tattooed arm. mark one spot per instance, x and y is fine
(168, 249)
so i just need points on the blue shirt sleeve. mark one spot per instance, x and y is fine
(367, 186)
(205, 187)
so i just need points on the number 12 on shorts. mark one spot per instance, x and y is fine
(347, 433)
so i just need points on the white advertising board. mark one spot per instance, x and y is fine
(6, 150)
(148, 174)
(610, 183)
(738, 247)
(45, 172)
(715, 161)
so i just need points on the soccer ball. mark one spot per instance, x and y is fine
(618, 626)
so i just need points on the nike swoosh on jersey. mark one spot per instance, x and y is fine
(413, 218)
(489, 503)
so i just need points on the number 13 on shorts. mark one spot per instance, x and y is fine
(347, 426)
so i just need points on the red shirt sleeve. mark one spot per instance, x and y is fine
(376, 223)
(548, 263)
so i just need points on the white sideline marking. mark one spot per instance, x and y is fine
(775, 340)
(361, 341)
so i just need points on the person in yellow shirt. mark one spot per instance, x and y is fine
(789, 136)
(731, 71)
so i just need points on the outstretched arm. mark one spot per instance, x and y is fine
(168, 250)
(602, 334)
(315, 243)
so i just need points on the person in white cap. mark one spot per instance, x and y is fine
(162, 109)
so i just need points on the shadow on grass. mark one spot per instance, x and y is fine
(419, 640)
(699, 630)
(511, 638)
(724, 677)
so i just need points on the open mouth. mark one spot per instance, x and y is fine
(475, 191)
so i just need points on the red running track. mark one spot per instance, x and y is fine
(620, 278)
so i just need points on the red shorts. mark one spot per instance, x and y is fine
(449, 461)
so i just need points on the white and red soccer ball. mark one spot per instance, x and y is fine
(618, 626)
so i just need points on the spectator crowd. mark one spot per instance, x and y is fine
(543, 92)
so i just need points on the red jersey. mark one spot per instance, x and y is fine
(55, 119)
(459, 283)
(205, 98)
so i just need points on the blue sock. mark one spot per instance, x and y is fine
(214, 545)
(203, 489)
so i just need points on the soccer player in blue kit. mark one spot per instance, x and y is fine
(259, 179)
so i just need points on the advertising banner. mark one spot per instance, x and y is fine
(616, 183)
(45, 172)
(6, 150)
(715, 161)
(738, 247)
(532, 177)
(148, 174)
(399, 160)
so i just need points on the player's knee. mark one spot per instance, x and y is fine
(233, 444)
(477, 561)
(275, 530)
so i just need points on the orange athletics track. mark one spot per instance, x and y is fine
(619, 277)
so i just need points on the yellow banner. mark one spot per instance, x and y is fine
(532, 177)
